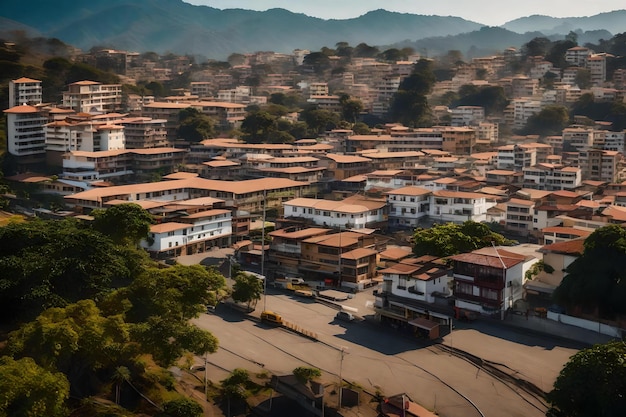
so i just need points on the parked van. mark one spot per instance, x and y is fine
(271, 317)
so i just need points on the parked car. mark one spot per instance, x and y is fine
(344, 316)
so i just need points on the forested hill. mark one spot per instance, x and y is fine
(175, 26)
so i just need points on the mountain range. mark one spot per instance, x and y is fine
(175, 26)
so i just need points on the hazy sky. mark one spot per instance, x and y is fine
(488, 12)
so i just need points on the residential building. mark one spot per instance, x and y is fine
(519, 216)
(352, 213)
(467, 115)
(577, 56)
(93, 97)
(407, 206)
(143, 132)
(25, 91)
(421, 279)
(557, 257)
(489, 280)
(345, 166)
(600, 165)
(458, 207)
(25, 135)
(285, 250)
(552, 177)
(192, 233)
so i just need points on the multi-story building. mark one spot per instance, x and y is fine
(577, 56)
(25, 91)
(596, 64)
(416, 279)
(285, 249)
(352, 213)
(25, 135)
(519, 216)
(467, 115)
(489, 280)
(143, 132)
(345, 166)
(458, 206)
(193, 233)
(600, 165)
(93, 97)
(520, 110)
(552, 177)
(407, 206)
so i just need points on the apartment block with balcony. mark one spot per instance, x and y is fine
(407, 206)
(421, 279)
(25, 91)
(551, 177)
(143, 132)
(519, 216)
(189, 234)
(25, 135)
(489, 280)
(351, 213)
(467, 115)
(93, 97)
(458, 207)
(285, 249)
(601, 165)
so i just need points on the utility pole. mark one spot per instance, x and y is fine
(263, 251)
(340, 377)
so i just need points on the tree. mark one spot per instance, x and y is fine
(536, 47)
(26, 389)
(318, 61)
(409, 104)
(551, 120)
(194, 125)
(450, 239)
(583, 78)
(597, 279)
(126, 223)
(257, 126)
(305, 374)
(319, 121)
(592, 383)
(350, 108)
(247, 288)
(363, 50)
(55, 263)
(181, 407)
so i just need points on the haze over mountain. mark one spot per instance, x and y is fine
(181, 28)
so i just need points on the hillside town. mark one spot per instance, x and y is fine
(344, 204)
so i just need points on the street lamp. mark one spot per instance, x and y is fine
(343, 350)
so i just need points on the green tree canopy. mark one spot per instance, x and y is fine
(55, 263)
(551, 120)
(450, 239)
(305, 374)
(125, 223)
(491, 98)
(592, 383)
(409, 104)
(26, 389)
(194, 125)
(257, 126)
(181, 407)
(247, 288)
(597, 279)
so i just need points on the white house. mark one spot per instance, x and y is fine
(351, 213)
(552, 177)
(417, 279)
(407, 205)
(190, 234)
(458, 206)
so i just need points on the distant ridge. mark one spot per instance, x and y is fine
(181, 28)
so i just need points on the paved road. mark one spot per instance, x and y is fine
(376, 356)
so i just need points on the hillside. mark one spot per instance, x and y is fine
(612, 22)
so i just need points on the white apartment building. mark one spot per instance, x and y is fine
(458, 206)
(144, 132)
(89, 136)
(347, 214)
(25, 91)
(416, 281)
(467, 115)
(611, 141)
(522, 109)
(25, 132)
(578, 138)
(407, 206)
(524, 87)
(487, 132)
(93, 97)
(239, 94)
(190, 234)
(551, 177)
(578, 56)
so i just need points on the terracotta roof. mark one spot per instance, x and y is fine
(521, 202)
(506, 259)
(299, 234)
(395, 253)
(167, 227)
(26, 80)
(180, 175)
(207, 213)
(615, 212)
(458, 194)
(346, 159)
(358, 253)
(22, 109)
(566, 230)
(339, 206)
(570, 247)
(410, 190)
